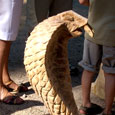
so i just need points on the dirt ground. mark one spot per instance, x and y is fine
(33, 104)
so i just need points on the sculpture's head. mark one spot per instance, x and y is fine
(75, 23)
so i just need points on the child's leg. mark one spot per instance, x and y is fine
(91, 62)
(109, 92)
(87, 77)
(108, 61)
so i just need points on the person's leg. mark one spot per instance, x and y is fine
(109, 92)
(5, 74)
(10, 13)
(59, 6)
(91, 63)
(108, 61)
(7, 81)
(3, 53)
(6, 96)
(87, 77)
(42, 9)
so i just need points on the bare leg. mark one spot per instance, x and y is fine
(3, 54)
(109, 91)
(87, 77)
(4, 94)
(5, 74)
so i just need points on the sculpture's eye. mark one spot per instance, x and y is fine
(69, 18)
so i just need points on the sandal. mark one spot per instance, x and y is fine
(10, 98)
(13, 100)
(21, 87)
(93, 110)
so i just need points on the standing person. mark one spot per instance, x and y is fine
(10, 11)
(99, 49)
(46, 8)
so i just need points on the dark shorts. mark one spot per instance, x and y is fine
(95, 54)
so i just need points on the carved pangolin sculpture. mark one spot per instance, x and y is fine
(46, 61)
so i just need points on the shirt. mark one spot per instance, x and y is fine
(101, 18)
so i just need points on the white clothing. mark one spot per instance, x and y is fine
(10, 12)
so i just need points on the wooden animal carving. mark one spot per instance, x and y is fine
(46, 61)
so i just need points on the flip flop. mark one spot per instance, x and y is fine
(93, 110)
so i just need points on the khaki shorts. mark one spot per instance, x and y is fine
(94, 55)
